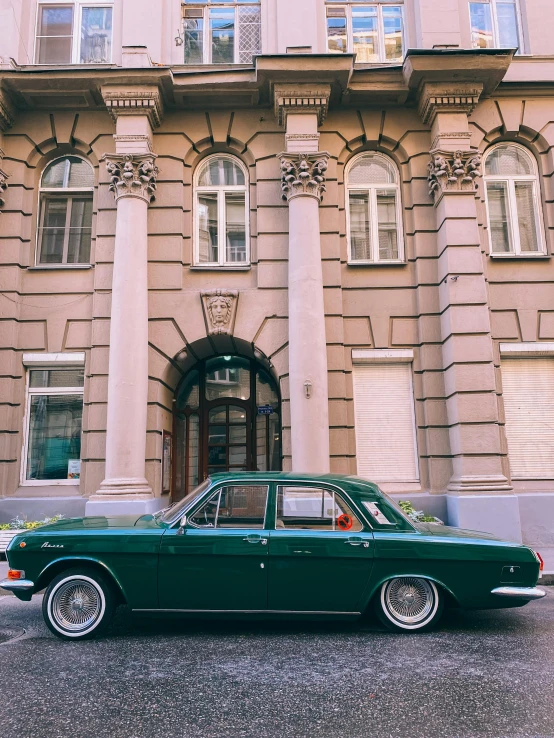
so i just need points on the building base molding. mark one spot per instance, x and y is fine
(38, 508)
(135, 488)
(472, 483)
(496, 514)
(123, 506)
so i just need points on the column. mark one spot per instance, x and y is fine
(479, 495)
(133, 175)
(303, 184)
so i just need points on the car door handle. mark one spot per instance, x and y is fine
(357, 542)
(259, 539)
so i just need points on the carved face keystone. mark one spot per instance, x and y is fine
(220, 311)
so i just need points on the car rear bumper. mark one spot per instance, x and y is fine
(17, 585)
(520, 593)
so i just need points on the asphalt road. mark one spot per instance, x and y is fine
(482, 674)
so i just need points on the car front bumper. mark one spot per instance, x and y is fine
(17, 585)
(520, 593)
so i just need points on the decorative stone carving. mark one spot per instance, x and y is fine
(303, 174)
(456, 171)
(134, 101)
(439, 97)
(7, 114)
(3, 186)
(220, 309)
(301, 98)
(132, 175)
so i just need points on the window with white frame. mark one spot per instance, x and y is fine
(386, 447)
(74, 32)
(374, 216)
(221, 212)
(528, 395)
(221, 31)
(53, 424)
(513, 201)
(495, 24)
(65, 212)
(372, 31)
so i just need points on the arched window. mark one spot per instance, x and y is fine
(221, 213)
(374, 215)
(65, 213)
(513, 201)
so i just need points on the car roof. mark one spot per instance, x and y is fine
(342, 480)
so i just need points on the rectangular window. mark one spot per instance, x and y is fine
(54, 415)
(372, 31)
(221, 31)
(373, 218)
(495, 24)
(385, 422)
(528, 394)
(65, 230)
(74, 33)
(233, 507)
(313, 508)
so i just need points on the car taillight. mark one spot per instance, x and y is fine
(16, 574)
(541, 562)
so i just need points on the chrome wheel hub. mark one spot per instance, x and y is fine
(409, 600)
(76, 605)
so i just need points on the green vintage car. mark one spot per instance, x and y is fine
(277, 544)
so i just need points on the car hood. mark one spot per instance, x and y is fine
(99, 522)
(447, 531)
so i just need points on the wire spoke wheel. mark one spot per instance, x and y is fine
(76, 605)
(410, 603)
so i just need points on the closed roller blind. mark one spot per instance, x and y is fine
(385, 425)
(528, 390)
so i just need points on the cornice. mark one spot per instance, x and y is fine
(7, 112)
(440, 97)
(301, 98)
(134, 100)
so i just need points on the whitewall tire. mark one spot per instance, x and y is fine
(78, 604)
(408, 604)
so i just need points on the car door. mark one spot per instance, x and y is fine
(320, 552)
(218, 561)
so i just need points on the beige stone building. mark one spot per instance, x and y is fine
(264, 234)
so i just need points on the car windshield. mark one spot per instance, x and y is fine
(174, 511)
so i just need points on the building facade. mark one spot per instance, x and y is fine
(264, 235)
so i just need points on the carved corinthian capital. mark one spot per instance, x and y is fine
(3, 186)
(453, 171)
(303, 174)
(132, 175)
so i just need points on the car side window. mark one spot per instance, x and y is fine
(314, 508)
(233, 506)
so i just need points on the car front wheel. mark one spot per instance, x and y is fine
(78, 604)
(407, 604)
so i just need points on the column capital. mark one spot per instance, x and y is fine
(301, 98)
(7, 112)
(441, 97)
(303, 174)
(134, 100)
(3, 185)
(132, 175)
(453, 171)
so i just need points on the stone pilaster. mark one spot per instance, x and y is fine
(133, 172)
(467, 348)
(303, 170)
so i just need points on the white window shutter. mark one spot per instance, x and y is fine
(528, 391)
(385, 422)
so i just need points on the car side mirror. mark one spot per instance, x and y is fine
(182, 524)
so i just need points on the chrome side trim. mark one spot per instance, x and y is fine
(249, 612)
(17, 584)
(524, 593)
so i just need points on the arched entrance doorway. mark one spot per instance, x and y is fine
(227, 417)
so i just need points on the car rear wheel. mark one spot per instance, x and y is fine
(78, 604)
(407, 604)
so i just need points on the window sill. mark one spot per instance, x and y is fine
(51, 267)
(220, 268)
(395, 263)
(524, 257)
(50, 483)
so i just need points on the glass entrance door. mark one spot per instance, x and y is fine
(227, 417)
